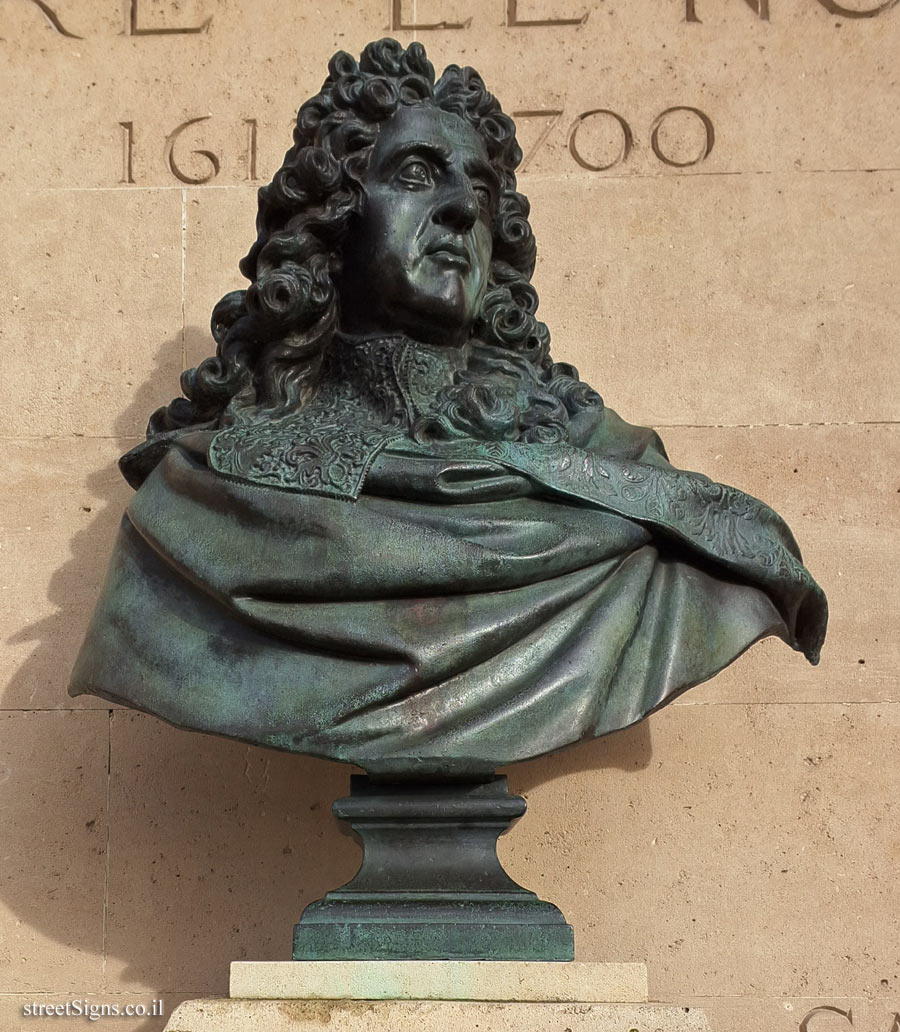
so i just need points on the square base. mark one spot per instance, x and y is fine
(481, 980)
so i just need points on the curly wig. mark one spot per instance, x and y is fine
(271, 338)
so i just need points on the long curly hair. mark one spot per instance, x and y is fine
(272, 337)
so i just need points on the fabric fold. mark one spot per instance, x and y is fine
(476, 604)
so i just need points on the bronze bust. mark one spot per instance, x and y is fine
(383, 525)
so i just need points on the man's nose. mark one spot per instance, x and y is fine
(459, 209)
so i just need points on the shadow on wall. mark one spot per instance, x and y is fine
(213, 848)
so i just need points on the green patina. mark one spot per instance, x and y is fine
(384, 526)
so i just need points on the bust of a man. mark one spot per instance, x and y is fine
(383, 525)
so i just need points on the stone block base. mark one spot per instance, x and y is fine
(481, 980)
(428, 1016)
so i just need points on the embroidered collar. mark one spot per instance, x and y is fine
(388, 372)
(370, 391)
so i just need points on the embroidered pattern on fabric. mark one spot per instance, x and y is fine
(369, 393)
(372, 390)
(422, 373)
(334, 462)
(722, 521)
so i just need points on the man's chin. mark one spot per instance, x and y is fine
(444, 318)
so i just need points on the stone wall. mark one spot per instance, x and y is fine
(725, 272)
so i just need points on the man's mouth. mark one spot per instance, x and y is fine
(453, 252)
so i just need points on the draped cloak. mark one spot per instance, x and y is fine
(325, 584)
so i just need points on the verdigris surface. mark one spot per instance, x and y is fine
(383, 525)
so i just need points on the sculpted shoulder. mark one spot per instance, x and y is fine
(606, 433)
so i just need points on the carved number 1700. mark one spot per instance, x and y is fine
(596, 116)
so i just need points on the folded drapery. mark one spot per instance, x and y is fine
(477, 603)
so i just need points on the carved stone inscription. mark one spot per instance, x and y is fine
(735, 108)
(612, 155)
(822, 1018)
(134, 22)
(402, 18)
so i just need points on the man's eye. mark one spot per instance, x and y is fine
(416, 172)
(484, 195)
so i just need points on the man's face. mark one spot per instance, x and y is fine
(417, 261)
